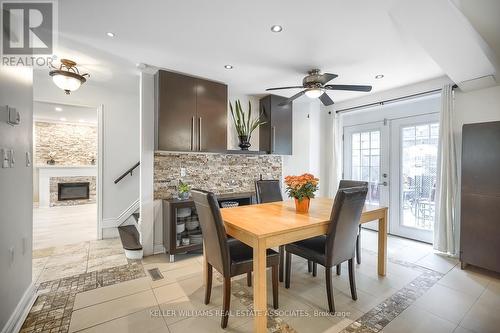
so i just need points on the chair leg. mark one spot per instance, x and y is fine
(208, 287)
(358, 246)
(352, 281)
(226, 302)
(309, 266)
(339, 269)
(315, 269)
(329, 289)
(249, 279)
(282, 262)
(288, 269)
(275, 286)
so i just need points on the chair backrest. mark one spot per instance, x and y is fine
(214, 233)
(345, 183)
(344, 222)
(268, 191)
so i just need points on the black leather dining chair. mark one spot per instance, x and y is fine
(338, 245)
(344, 183)
(270, 191)
(228, 258)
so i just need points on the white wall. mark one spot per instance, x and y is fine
(16, 206)
(121, 133)
(232, 136)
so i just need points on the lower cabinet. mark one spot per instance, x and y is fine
(181, 227)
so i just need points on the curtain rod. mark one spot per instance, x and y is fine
(390, 100)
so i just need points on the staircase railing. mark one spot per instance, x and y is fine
(129, 171)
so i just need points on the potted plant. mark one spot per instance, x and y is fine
(183, 190)
(302, 189)
(244, 124)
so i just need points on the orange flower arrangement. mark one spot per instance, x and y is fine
(300, 187)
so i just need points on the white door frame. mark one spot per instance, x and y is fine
(395, 217)
(100, 167)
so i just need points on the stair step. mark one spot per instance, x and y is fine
(136, 216)
(130, 237)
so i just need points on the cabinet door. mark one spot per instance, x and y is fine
(176, 112)
(211, 121)
(281, 126)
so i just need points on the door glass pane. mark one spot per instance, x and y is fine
(418, 171)
(366, 161)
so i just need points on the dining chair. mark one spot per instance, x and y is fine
(269, 191)
(338, 245)
(228, 258)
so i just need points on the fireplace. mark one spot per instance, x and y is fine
(73, 191)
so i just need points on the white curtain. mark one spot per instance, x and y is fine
(333, 145)
(445, 227)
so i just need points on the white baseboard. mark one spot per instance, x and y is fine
(158, 248)
(17, 318)
(115, 222)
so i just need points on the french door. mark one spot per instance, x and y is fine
(398, 158)
(366, 158)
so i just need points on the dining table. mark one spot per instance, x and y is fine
(269, 225)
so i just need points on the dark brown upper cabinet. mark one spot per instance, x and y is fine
(275, 136)
(192, 113)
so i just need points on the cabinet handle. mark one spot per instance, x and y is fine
(273, 129)
(199, 134)
(192, 133)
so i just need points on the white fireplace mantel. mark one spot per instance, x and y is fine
(45, 172)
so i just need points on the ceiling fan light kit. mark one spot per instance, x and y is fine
(315, 85)
(67, 76)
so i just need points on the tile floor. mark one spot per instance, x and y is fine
(55, 226)
(422, 292)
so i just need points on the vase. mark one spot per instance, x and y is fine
(244, 142)
(302, 206)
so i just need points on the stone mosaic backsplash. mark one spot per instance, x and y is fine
(72, 144)
(219, 173)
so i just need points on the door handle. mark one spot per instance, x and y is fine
(199, 134)
(192, 133)
(273, 142)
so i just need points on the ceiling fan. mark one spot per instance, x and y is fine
(315, 85)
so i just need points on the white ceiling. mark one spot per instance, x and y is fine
(69, 113)
(355, 39)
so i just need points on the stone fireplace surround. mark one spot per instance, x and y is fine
(50, 175)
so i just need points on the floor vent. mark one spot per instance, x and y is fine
(155, 274)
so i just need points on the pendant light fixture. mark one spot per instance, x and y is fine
(67, 76)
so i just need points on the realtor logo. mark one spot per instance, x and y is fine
(27, 28)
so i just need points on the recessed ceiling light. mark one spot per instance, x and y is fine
(62, 119)
(379, 76)
(228, 66)
(276, 28)
(110, 34)
(58, 109)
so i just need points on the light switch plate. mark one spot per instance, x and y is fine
(4, 155)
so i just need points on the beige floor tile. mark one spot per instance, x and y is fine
(170, 292)
(103, 312)
(162, 263)
(100, 295)
(322, 322)
(202, 325)
(446, 303)
(42, 253)
(437, 262)
(178, 274)
(144, 321)
(482, 319)
(107, 262)
(67, 259)
(461, 329)
(466, 281)
(417, 320)
(58, 272)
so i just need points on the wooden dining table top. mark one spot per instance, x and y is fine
(279, 217)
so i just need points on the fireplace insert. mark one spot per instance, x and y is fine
(73, 191)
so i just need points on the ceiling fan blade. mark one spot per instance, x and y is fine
(293, 87)
(348, 87)
(289, 100)
(326, 77)
(325, 99)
